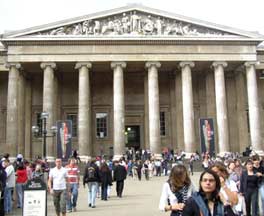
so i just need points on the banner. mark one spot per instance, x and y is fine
(207, 135)
(64, 139)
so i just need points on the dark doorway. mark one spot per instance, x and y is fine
(133, 136)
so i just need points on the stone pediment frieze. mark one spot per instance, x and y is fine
(132, 23)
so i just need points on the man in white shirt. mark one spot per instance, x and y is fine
(10, 184)
(58, 187)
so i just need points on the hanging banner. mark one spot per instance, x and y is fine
(207, 135)
(64, 139)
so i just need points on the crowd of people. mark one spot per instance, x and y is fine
(226, 187)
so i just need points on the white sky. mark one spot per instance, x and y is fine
(242, 14)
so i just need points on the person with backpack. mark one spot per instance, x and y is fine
(91, 178)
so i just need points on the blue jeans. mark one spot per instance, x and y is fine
(20, 193)
(92, 191)
(8, 199)
(72, 200)
(261, 192)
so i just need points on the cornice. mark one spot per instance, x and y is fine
(130, 41)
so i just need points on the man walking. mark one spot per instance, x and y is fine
(74, 179)
(119, 176)
(91, 177)
(57, 184)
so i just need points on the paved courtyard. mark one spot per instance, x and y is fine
(139, 198)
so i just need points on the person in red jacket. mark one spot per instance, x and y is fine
(21, 180)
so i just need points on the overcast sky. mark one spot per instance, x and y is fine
(242, 14)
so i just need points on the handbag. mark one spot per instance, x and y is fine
(228, 211)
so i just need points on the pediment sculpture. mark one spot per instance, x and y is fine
(133, 23)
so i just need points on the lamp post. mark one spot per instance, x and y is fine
(44, 132)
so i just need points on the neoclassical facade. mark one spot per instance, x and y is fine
(132, 77)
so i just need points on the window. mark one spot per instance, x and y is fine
(73, 118)
(162, 124)
(101, 125)
(39, 123)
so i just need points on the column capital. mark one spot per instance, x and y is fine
(153, 63)
(117, 63)
(185, 63)
(78, 65)
(43, 65)
(17, 65)
(250, 63)
(217, 63)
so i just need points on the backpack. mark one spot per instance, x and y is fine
(91, 173)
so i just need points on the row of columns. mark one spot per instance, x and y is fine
(84, 109)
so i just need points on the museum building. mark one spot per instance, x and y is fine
(132, 77)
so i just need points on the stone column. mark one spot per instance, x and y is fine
(21, 114)
(154, 108)
(12, 110)
(48, 105)
(221, 107)
(28, 119)
(187, 106)
(253, 107)
(146, 113)
(84, 111)
(119, 109)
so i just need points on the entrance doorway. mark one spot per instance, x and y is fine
(132, 137)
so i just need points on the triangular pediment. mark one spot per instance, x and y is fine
(131, 21)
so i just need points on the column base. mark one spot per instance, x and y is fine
(50, 159)
(257, 152)
(117, 157)
(85, 158)
(157, 156)
(188, 155)
(222, 154)
(12, 159)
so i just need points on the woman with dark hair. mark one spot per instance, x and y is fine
(176, 191)
(249, 188)
(206, 202)
(106, 179)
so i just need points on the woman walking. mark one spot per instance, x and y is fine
(106, 180)
(176, 191)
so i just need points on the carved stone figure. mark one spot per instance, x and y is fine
(125, 23)
(135, 22)
(58, 31)
(108, 27)
(148, 25)
(159, 26)
(77, 29)
(85, 27)
(97, 27)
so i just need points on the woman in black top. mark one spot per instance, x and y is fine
(249, 188)
(206, 202)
